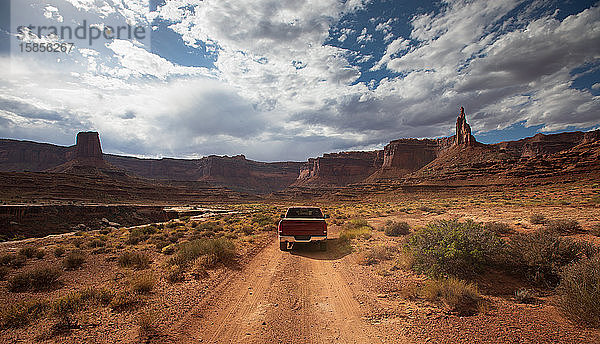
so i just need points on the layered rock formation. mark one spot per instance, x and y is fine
(87, 146)
(339, 168)
(463, 130)
(86, 157)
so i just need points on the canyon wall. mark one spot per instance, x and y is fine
(339, 168)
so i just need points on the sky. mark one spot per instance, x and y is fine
(281, 80)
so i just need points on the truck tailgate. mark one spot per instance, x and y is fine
(303, 227)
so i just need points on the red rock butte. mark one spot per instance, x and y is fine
(88, 145)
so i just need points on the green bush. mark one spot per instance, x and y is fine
(454, 248)
(563, 226)
(134, 259)
(540, 255)
(38, 279)
(140, 234)
(222, 249)
(74, 260)
(393, 228)
(579, 290)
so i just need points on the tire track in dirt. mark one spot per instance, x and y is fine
(282, 297)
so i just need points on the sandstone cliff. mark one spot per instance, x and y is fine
(339, 168)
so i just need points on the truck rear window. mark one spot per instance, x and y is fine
(308, 213)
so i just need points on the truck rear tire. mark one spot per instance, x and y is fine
(283, 245)
(323, 245)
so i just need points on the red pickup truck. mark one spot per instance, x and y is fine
(302, 224)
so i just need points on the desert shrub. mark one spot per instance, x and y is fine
(124, 300)
(563, 226)
(263, 219)
(13, 260)
(134, 259)
(499, 228)
(38, 279)
(22, 313)
(174, 274)
(454, 248)
(595, 230)
(59, 251)
(161, 243)
(356, 228)
(148, 326)
(199, 270)
(77, 242)
(143, 283)
(524, 295)
(537, 219)
(140, 234)
(540, 255)
(65, 306)
(461, 297)
(28, 251)
(73, 260)
(579, 290)
(96, 242)
(3, 272)
(169, 249)
(393, 228)
(94, 295)
(222, 249)
(377, 254)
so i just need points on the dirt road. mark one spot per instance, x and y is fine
(283, 297)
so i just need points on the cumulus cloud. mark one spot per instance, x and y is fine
(279, 91)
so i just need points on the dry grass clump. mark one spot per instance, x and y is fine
(3, 272)
(59, 251)
(140, 234)
(22, 313)
(499, 228)
(124, 300)
(377, 254)
(219, 250)
(174, 274)
(38, 279)
(12, 260)
(563, 226)
(143, 283)
(74, 260)
(461, 297)
(356, 229)
(537, 219)
(524, 295)
(393, 228)
(148, 326)
(595, 230)
(134, 259)
(30, 252)
(579, 291)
